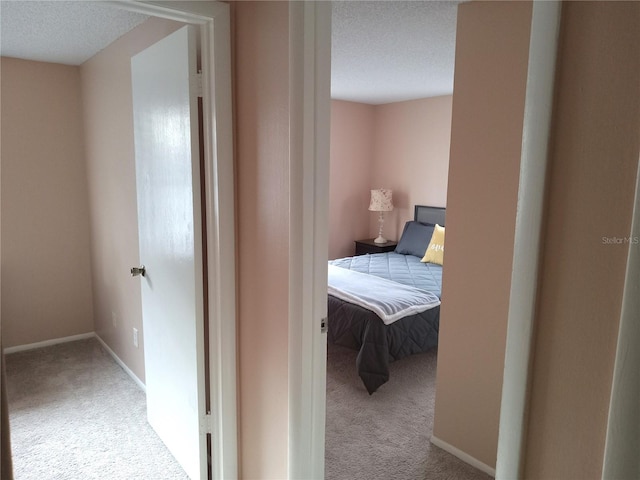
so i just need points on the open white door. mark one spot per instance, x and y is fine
(170, 236)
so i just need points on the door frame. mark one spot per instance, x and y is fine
(309, 124)
(213, 18)
(536, 131)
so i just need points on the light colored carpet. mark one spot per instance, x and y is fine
(75, 414)
(385, 435)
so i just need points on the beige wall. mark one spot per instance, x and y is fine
(108, 116)
(351, 171)
(46, 281)
(486, 135)
(262, 165)
(594, 160)
(412, 141)
(403, 146)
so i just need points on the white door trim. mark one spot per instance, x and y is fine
(536, 129)
(215, 28)
(310, 110)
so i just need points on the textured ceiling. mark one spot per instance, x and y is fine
(382, 51)
(389, 51)
(65, 32)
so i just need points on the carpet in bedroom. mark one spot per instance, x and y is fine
(75, 414)
(385, 435)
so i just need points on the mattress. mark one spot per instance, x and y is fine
(378, 344)
(405, 269)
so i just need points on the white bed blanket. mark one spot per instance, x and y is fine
(390, 300)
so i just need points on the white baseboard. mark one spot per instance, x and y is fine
(48, 343)
(129, 372)
(465, 457)
(73, 338)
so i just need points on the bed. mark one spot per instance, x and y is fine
(353, 326)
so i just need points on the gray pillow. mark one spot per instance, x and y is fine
(415, 239)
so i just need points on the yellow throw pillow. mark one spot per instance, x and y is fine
(435, 250)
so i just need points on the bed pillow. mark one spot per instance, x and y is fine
(435, 250)
(415, 239)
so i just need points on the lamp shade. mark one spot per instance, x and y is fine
(381, 200)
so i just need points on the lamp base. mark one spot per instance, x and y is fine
(380, 239)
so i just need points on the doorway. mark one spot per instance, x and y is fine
(317, 32)
(396, 137)
(219, 191)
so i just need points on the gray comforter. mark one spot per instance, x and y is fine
(379, 344)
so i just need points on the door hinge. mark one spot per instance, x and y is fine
(323, 325)
(208, 424)
(196, 84)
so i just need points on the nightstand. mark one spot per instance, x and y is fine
(369, 246)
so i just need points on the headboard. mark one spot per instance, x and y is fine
(433, 215)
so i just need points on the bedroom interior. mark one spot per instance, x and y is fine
(75, 413)
(595, 127)
(475, 354)
(78, 105)
(403, 146)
